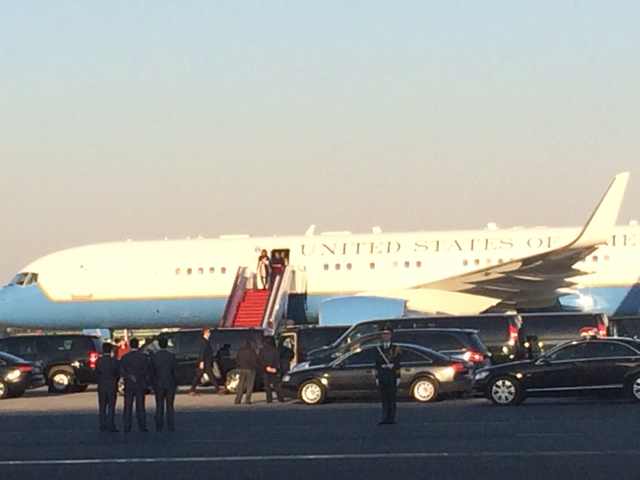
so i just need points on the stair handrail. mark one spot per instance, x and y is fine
(274, 306)
(235, 297)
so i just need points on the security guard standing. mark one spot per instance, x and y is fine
(205, 363)
(107, 374)
(135, 370)
(387, 368)
(163, 364)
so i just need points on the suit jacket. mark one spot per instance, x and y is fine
(135, 369)
(247, 359)
(164, 364)
(206, 352)
(384, 358)
(107, 373)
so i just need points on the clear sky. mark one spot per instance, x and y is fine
(146, 119)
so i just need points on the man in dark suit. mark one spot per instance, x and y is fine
(107, 374)
(247, 364)
(163, 364)
(205, 363)
(387, 368)
(270, 363)
(135, 370)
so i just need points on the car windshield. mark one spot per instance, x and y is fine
(11, 358)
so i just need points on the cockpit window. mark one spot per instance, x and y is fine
(25, 278)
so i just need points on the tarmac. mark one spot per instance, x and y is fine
(56, 437)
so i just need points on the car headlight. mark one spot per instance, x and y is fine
(13, 375)
(481, 375)
(286, 378)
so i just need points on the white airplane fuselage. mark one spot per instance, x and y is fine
(187, 282)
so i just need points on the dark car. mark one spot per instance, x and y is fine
(69, 361)
(226, 342)
(541, 332)
(303, 339)
(498, 332)
(18, 375)
(460, 344)
(424, 375)
(578, 367)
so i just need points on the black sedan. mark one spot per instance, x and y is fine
(18, 375)
(424, 375)
(579, 367)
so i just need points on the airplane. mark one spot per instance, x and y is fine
(173, 283)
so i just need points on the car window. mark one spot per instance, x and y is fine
(408, 356)
(607, 349)
(21, 347)
(443, 341)
(364, 357)
(189, 342)
(570, 352)
(361, 330)
(64, 344)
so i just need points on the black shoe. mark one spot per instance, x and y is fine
(114, 430)
(145, 430)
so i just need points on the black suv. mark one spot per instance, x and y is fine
(541, 332)
(226, 342)
(499, 333)
(461, 344)
(303, 339)
(69, 361)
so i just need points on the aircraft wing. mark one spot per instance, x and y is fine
(538, 280)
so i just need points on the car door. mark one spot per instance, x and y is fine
(559, 371)
(411, 362)
(354, 373)
(606, 363)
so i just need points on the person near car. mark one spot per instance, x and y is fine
(246, 364)
(263, 269)
(122, 347)
(205, 363)
(107, 375)
(163, 364)
(387, 368)
(135, 370)
(285, 352)
(270, 366)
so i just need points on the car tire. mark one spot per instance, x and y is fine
(312, 392)
(505, 391)
(4, 390)
(231, 383)
(424, 390)
(634, 387)
(60, 381)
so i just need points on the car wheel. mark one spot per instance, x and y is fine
(312, 392)
(4, 390)
(60, 381)
(634, 388)
(424, 390)
(233, 379)
(505, 391)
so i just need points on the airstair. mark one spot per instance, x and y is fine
(249, 307)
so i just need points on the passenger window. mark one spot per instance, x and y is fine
(364, 358)
(569, 352)
(410, 357)
(608, 349)
(443, 342)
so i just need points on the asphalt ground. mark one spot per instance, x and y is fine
(56, 437)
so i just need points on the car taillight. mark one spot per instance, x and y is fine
(93, 358)
(513, 334)
(602, 329)
(459, 367)
(25, 368)
(473, 357)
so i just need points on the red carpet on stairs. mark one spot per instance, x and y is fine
(251, 309)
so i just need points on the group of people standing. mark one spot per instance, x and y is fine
(270, 267)
(266, 360)
(139, 372)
